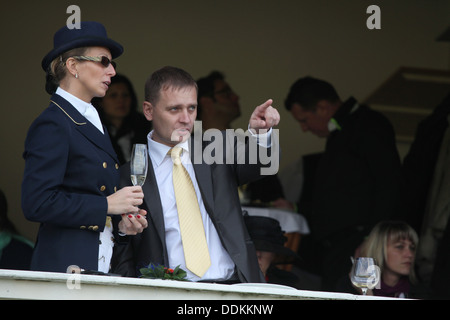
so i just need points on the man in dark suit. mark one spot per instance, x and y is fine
(171, 103)
(357, 180)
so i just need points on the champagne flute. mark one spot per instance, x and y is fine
(365, 274)
(138, 164)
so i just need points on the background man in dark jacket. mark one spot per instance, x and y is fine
(357, 178)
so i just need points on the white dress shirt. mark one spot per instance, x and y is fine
(222, 267)
(86, 109)
(90, 113)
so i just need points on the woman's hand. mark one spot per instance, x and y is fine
(125, 200)
(133, 224)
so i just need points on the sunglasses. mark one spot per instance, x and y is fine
(103, 60)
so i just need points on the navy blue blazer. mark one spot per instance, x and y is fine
(70, 168)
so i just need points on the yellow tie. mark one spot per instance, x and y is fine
(193, 237)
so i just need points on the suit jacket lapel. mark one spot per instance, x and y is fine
(153, 202)
(102, 141)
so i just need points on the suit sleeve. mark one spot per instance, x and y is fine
(252, 160)
(46, 198)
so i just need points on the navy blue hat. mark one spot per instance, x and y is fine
(90, 34)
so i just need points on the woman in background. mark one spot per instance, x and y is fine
(393, 245)
(118, 112)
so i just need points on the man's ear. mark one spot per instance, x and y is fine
(147, 109)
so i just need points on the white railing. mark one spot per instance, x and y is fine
(48, 286)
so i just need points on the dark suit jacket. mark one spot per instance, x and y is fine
(356, 185)
(420, 162)
(70, 168)
(218, 185)
(357, 182)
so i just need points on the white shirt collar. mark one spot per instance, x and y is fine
(334, 125)
(158, 151)
(79, 104)
(86, 109)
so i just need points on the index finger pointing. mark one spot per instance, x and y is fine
(265, 105)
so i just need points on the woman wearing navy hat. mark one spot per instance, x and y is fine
(71, 170)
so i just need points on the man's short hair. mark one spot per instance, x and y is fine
(308, 91)
(206, 88)
(206, 84)
(164, 78)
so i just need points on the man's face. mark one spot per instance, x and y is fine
(226, 100)
(173, 115)
(315, 121)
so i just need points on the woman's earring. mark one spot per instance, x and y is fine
(76, 75)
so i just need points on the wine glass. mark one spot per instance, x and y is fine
(365, 274)
(138, 164)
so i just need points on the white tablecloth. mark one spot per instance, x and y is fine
(289, 221)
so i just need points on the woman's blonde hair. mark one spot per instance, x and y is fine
(375, 245)
(57, 69)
